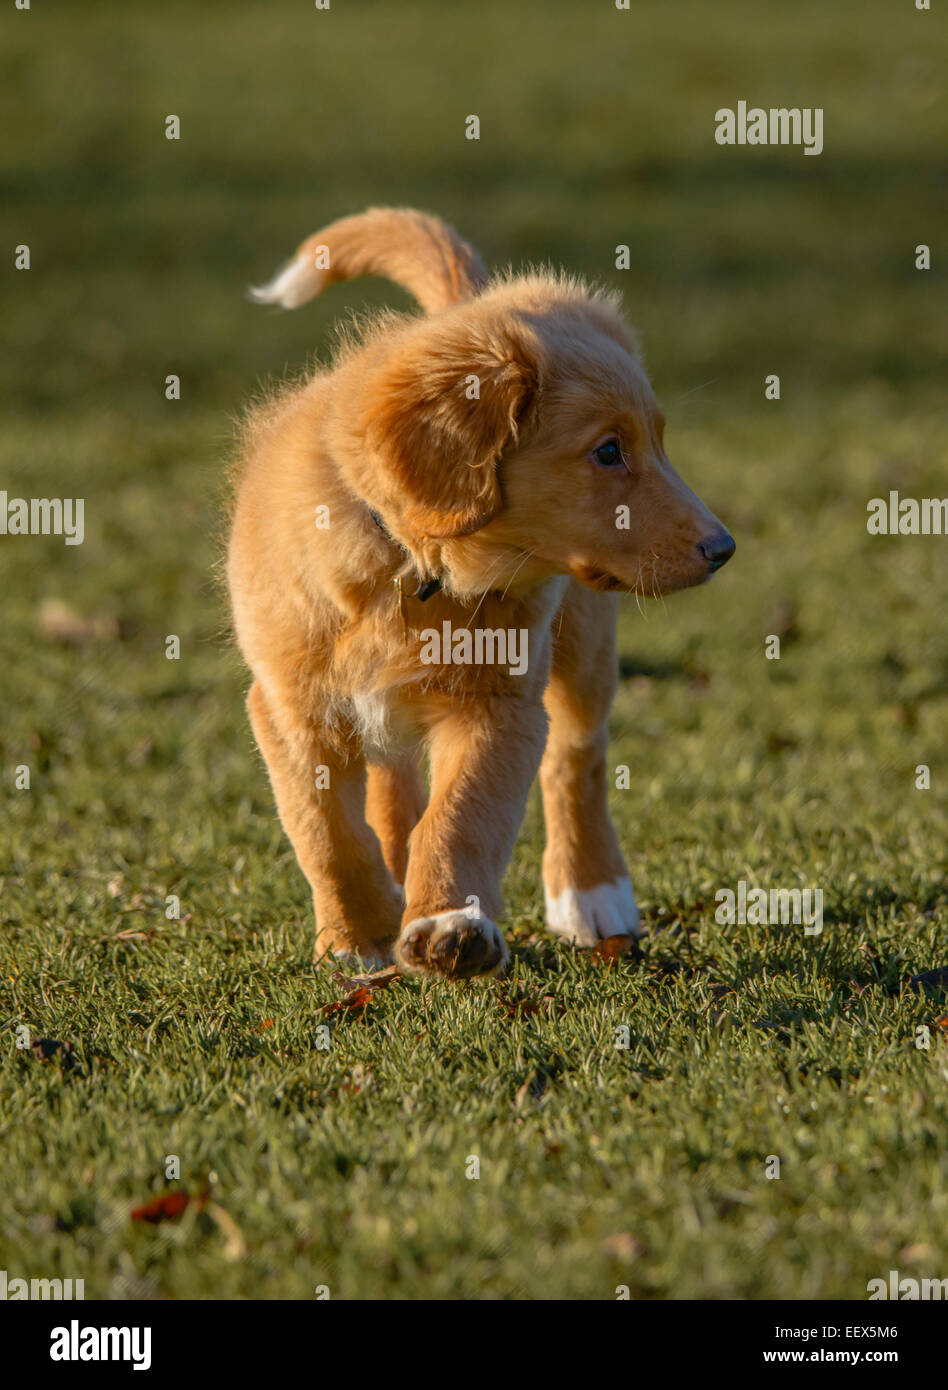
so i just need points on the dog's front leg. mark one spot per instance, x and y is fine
(320, 796)
(482, 765)
(586, 883)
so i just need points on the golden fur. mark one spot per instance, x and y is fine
(492, 487)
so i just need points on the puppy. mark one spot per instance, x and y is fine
(458, 490)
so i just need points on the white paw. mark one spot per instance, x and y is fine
(452, 943)
(585, 916)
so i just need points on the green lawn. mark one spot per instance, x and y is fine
(599, 1166)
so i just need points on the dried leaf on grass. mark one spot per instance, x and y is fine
(171, 1205)
(523, 1005)
(354, 1001)
(376, 979)
(623, 1246)
(235, 1247)
(165, 1207)
(360, 989)
(613, 948)
(59, 623)
(359, 1079)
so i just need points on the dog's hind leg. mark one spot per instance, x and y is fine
(394, 803)
(320, 796)
(586, 883)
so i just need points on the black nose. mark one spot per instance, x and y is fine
(717, 550)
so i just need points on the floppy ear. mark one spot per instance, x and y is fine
(444, 408)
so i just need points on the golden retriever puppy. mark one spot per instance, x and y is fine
(429, 540)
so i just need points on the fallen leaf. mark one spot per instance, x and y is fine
(355, 999)
(623, 1246)
(612, 948)
(168, 1205)
(910, 1254)
(235, 1247)
(60, 623)
(521, 1007)
(358, 1080)
(377, 979)
(264, 1023)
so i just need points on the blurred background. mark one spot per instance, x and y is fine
(597, 129)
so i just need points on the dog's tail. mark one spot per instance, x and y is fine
(422, 254)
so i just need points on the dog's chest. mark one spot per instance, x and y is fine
(374, 717)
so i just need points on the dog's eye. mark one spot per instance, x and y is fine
(609, 455)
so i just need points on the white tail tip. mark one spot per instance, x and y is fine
(294, 284)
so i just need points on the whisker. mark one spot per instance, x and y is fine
(526, 557)
(495, 568)
(684, 394)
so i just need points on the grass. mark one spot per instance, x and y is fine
(599, 1166)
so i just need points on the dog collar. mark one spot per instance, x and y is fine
(426, 587)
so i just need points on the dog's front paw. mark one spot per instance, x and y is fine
(453, 943)
(583, 916)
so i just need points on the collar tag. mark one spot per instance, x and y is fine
(425, 590)
(426, 587)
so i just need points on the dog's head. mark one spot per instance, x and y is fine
(522, 424)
